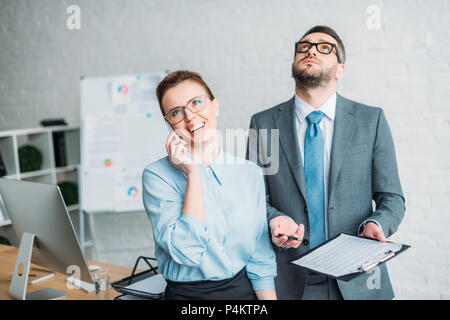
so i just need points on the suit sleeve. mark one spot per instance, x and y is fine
(386, 188)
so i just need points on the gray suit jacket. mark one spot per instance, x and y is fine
(363, 168)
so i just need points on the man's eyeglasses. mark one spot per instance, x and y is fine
(322, 47)
(194, 105)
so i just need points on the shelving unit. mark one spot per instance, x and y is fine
(42, 139)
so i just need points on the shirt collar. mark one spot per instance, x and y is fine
(224, 159)
(302, 109)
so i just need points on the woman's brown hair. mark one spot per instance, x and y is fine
(176, 77)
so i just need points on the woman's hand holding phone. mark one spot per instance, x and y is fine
(177, 151)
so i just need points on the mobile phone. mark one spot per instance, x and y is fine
(171, 130)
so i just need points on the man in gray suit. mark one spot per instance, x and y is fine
(335, 157)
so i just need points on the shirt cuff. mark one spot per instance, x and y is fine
(266, 283)
(189, 240)
(363, 224)
(194, 227)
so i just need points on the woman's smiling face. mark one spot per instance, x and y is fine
(196, 127)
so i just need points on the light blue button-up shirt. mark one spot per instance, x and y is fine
(235, 234)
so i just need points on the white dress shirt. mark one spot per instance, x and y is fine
(302, 110)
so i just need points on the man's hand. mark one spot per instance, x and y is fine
(372, 231)
(287, 227)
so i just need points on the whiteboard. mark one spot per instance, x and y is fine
(122, 130)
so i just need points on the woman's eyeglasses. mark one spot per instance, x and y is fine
(194, 105)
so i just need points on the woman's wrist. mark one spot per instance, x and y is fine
(193, 198)
(193, 171)
(266, 294)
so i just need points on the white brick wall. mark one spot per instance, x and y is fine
(244, 50)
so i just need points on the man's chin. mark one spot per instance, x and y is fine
(308, 81)
(310, 76)
(310, 70)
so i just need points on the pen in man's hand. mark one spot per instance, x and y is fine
(289, 237)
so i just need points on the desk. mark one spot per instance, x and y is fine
(8, 255)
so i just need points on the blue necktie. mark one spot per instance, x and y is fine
(314, 179)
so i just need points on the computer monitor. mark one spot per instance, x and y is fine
(39, 209)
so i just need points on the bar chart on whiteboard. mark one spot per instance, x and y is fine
(122, 131)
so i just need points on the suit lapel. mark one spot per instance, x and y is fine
(343, 129)
(285, 122)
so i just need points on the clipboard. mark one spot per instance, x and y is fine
(122, 286)
(368, 265)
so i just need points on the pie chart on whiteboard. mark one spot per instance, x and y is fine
(107, 163)
(123, 89)
(133, 192)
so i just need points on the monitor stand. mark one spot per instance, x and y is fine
(19, 282)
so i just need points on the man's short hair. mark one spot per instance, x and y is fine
(331, 33)
(176, 77)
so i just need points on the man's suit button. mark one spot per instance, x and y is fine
(305, 242)
(306, 209)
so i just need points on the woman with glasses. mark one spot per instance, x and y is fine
(207, 208)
